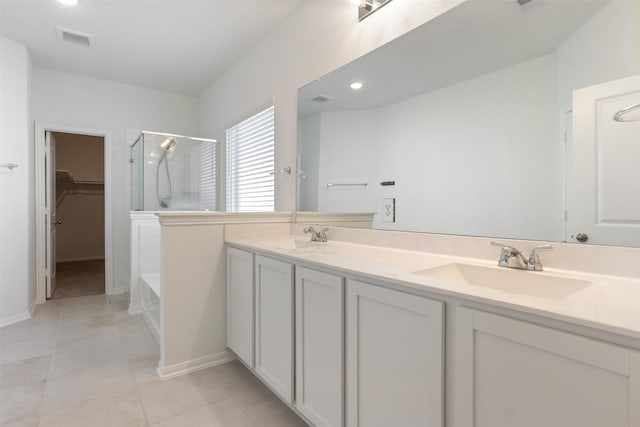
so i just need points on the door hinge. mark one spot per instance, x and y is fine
(566, 215)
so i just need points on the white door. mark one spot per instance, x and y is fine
(274, 324)
(319, 347)
(50, 213)
(240, 304)
(395, 366)
(604, 198)
(513, 373)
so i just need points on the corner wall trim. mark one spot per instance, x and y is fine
(32, 307)
(179, 218)
(182, 368)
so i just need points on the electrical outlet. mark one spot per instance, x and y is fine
(389, 210)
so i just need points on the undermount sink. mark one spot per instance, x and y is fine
(295, 244)
(506, 280)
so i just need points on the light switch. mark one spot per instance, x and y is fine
(388, 210)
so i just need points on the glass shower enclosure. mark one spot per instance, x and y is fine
(173, 172)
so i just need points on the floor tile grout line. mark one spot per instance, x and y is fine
(55, 347)
(144, 411)
(242, 408)
(53, 350)
(230, 379)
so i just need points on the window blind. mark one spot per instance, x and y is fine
(207, 175)
(250, 162)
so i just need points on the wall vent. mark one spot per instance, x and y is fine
(73, 36)
(321, 98)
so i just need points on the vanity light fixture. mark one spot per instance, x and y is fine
(69, 2)
(356, 85)
(367, 7)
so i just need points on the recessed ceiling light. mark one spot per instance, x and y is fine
(356, 85)
(69, 2)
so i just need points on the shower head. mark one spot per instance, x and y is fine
(169, 144)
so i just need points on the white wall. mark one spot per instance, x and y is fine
(468, 159)
(316, 38)
(349, 153)
(17, 288)
(606, 48)
(76, 101)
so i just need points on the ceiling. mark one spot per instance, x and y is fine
(474, 38)
(173, 45)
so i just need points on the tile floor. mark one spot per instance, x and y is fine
(79, 278)
(86, 362)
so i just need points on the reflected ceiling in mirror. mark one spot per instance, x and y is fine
(367, 7)
(468, 115)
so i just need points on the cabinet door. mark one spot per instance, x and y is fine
(274, 324)
(319, 347)
(240, 304)
(511, 373)
(394, 358)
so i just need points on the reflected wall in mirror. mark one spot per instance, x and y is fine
(471, 115)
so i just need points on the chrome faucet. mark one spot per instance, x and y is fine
(509, 253)
(317, 236)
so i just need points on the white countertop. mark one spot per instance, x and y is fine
(608, 303)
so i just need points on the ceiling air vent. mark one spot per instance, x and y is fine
(73, 36)
(321, 98)
(528, 4)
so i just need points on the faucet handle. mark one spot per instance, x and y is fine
(507, 253)
(308, 229)
(322, 234)
(534, 260)
(506, 249)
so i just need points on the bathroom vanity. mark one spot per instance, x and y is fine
(363, 335)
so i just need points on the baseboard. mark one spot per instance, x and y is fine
(117, 291)
(25, 315)
(193, 365)
(89, 258)
(153, 327)
(134, 309)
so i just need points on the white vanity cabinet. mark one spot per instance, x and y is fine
(274, 324)
(395, 349)
(240, 304)
(510, 372)
(320, 346)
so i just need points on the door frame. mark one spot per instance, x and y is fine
(40, 205)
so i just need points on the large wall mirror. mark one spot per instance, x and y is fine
(494, 119)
